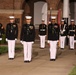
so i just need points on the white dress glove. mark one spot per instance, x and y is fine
(15, 39)
(68, 36)
(48, 41)
(21, 42)
(32, 42)
(39, 35)
(6, 39)
(0, 38)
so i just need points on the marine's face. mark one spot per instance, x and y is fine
(43, 22)
(11, 20)
(28, 21)
(53, 21)
(72, 22)
(62, 22)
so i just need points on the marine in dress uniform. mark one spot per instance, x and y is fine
(42, 33)
(53, 37)
(71, 33)
(27, 38)
(1, 31)
(63, 34)
(11, 37)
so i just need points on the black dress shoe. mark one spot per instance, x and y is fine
(27, 61)
(41, 48)
(52, 59)
(71, 49)
(11, 58)
(62, 48)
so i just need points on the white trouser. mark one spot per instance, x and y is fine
(71, 42)
(53, 49)
(0, 38)
(62, 41)
(11, 48)
(27, 51)
(42, 41)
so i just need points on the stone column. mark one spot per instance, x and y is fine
(65, 8)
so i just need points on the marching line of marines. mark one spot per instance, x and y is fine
(55, 34)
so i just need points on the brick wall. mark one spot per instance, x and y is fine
(8, 4)
(22, 5)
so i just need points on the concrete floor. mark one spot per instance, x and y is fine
(40, 65)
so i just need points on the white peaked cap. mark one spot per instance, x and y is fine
(43, 20)
(11, 17)
(28, 17)
(53, 17)
(62, 20)
(72, 19)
